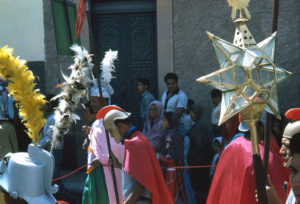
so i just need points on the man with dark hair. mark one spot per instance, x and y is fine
(142, 179)
(292, 133)
(174, 99)
(147, 98)
(294, 194)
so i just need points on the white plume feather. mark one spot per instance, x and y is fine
(74, 88)
(107, 66)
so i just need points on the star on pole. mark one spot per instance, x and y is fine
(247, 72)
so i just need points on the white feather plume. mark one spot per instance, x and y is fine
(74, 88)
(107, 66)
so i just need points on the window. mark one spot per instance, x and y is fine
(64, 14)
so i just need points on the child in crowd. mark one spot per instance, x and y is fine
(217, 144)
(154, 121)
(172, 154)
(188, 123)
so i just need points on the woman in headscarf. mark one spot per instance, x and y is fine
(153, 128)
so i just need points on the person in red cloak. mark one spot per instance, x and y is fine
(142, 179)
(234, 180)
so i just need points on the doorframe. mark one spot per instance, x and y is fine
(108, 7)
(164, 25)
(164, 35)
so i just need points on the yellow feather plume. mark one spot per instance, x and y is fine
(21, 87)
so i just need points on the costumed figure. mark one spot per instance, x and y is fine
(26, 176)
(235, 169)
(248, 78)
(99, 186)
(142, 179)
(292, 133)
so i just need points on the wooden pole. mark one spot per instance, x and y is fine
(269, 117)
(97, 73)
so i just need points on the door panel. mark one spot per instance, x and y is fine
(133, 34)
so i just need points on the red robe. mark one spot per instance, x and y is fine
(234, 180)
(141, 164)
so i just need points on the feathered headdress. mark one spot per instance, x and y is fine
(21, 86)
(106, 68)
(74, 88)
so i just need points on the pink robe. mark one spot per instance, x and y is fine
(99, 145)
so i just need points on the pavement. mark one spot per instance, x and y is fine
(72, 188)
(75, 182)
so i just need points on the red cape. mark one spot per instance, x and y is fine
(141, 164)
(234, 180)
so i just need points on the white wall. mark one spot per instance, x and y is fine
(22, 28)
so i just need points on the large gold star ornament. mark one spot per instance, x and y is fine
(247, 72)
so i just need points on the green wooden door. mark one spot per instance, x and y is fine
(130, 28)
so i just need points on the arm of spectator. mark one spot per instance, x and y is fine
(98, 137)
(179, 111)
(86, 130)
(135, 194)
(85, 144)
(181, 104)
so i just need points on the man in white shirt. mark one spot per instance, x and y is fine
(174, 99)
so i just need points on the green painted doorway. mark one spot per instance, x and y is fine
(130, 28)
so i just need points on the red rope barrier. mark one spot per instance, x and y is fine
(190, 167)
(73, 172)
(174, 167)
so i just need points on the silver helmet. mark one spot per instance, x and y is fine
(29, 175)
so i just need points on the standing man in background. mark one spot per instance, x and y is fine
(147, 98)
(174, 99)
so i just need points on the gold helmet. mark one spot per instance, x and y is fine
(109, 122)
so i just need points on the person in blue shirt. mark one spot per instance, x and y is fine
(146, 100)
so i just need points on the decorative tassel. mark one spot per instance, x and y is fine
(74, 88)
(21, 86)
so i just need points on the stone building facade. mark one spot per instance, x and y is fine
(193, 54)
